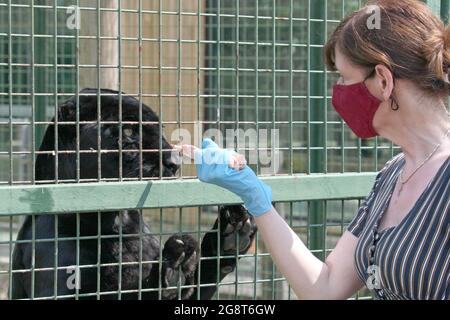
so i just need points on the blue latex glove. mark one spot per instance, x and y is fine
(212, 167)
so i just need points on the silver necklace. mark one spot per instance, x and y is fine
(403, 182)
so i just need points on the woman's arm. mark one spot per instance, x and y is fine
(309, 277)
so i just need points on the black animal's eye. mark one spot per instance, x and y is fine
(128, 132)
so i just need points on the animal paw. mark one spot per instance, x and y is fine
(180, 258)
(237, 229)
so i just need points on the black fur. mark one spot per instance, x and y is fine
(181, 253)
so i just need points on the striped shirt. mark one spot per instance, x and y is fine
(413, 258)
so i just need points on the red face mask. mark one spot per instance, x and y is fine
(357, 106)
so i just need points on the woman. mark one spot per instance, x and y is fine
(393, 83)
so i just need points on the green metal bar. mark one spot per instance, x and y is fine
(257, 85)
(180, 231)
(308, 93)
(11, 160)
(274, 114)
(219, 118)
(10, 258)
(10, 93)
(180, 210)
(77, 97)
(342, 126)
(291, 112)
(40, 28)
(291, 87)
(255, 271)
(99, 99)
(160, 255)
(179, 75)
(33, 92)
(160, 29)
(445, 10)
(199, 210)
(61, 198)
(140, 86)
(55, 53)
(119, 61)
(33, 253)
(219, 64)
(33, 141)
(56, 86)
(317, 134)
(78, 223)
(78, 162)
(99, 141)
(325, 94)
(236, 145)
(440, 8)
(99, 252)
(119, 28)
(445, 16)
(435, 5)
(161, 117)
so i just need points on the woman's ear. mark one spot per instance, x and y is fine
(384, 81)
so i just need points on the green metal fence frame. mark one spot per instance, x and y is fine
(60, 198)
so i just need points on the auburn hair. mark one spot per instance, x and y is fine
(411, 41)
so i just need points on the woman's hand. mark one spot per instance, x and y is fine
(228, 169)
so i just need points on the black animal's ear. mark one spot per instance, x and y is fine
(67, 111)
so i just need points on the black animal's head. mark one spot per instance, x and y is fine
(109, 137)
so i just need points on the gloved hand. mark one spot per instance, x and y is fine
(213, 167)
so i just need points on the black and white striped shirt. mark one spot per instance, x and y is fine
(413, 258)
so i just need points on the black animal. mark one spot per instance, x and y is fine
(181, 253)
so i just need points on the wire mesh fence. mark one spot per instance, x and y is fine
(89, 173)
(253, 275)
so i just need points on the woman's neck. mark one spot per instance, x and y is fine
(418, 131)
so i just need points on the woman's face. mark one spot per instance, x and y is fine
(352, 74)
